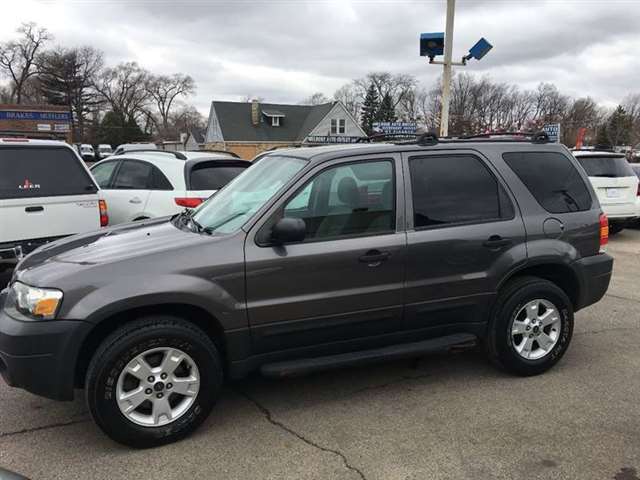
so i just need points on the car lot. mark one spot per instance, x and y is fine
(451, 416)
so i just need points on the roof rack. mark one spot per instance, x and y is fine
(535, 137)
(207, 150)
(178, 155)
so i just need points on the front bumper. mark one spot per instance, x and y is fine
(40, 356)
(594, 275)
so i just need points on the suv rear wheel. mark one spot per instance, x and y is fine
(532, 326)
(153, 381)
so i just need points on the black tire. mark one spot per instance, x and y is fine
(615, 228)
(124, 344)
(513, 296)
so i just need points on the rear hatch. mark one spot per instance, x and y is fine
(204, 177)
(613, 180)
(45, 192)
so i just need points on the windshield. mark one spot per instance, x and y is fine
(232, 206)
(606, 166)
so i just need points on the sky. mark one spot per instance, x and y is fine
(285, 50)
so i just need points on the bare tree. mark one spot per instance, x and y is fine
(396, 86)
(68, 77)
(250, 98)
(317, 98)
(349, 96)
(19, 58)
(163, 90)
(632, 106)
(186, 117)
(125, 90)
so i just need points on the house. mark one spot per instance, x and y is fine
(195, 139)
(248, 128)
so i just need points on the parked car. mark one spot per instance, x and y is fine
(132, 147)
(104, 150)
(615, 183)
(87, 153)
(149, 184)
(313, 258)
(46, 192)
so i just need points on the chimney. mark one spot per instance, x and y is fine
(255, 112)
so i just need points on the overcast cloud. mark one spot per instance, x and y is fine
(285, 50)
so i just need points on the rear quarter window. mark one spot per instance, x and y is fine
(28, 172)
(606, 166)
(552, 179)
(212, 176)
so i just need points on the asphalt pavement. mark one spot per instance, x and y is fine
(442, 417)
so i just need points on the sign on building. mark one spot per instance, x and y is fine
(331, 139)
(396, 128)
(553, 132)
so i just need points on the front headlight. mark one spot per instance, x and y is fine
(38, 303)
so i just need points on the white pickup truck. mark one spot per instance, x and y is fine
(46, 192)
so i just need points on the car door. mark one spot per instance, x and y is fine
(345, 280)
(129, 191)
(464, 233)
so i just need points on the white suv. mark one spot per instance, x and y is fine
(147, 184)
(615, 183)
(46, 192)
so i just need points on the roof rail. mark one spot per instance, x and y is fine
(178, 155)
(536, 137)
(226, 152)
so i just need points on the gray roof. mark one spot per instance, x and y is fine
(198, 134)
(298, 121)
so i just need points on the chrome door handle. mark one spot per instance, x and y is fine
(135, 200)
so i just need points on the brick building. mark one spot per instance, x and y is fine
(36, 121)
(248, 128)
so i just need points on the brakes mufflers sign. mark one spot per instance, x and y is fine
(36, 121)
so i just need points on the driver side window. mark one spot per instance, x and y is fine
(347, 200)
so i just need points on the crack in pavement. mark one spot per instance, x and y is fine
(43, 427)
(269, 417)
(621, 297)
(402, 379)
(604, 330)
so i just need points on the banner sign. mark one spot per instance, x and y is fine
(61, 127)
(553, 132)
(331, 139)
(396, 128)
(37, 116)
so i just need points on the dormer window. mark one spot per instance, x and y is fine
(274, 115)
(338, 126)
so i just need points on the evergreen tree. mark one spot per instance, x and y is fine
(619, 127)
(386, 112)
(115, 130)
(370, 109)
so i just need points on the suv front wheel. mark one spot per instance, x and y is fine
(532, 326)
(153, 381)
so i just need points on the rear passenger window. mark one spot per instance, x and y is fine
(27, 172)
(159, 181)
(552, 179)
(455, 189)
(102, 173)
(133, 175)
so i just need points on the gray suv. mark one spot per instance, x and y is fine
(313, 258)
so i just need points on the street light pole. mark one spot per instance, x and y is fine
(446, 77)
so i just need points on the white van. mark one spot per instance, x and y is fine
(104, 151)
(87, 153)
(46, 192)
(615, 183)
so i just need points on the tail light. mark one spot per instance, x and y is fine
(604, 232)
(189, 202)
(104, 218)
(638, 192)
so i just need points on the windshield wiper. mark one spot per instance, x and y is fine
(224, 222)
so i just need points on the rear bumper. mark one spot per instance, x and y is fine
(40, 356)
(594, 274)
(623, 211)
(12, 252)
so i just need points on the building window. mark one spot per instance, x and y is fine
(338, 126)
(275, 121)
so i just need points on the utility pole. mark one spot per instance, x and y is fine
(446, 77)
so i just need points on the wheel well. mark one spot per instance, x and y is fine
(190, 313)
(561, 275)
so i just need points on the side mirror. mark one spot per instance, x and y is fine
(288, 230)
